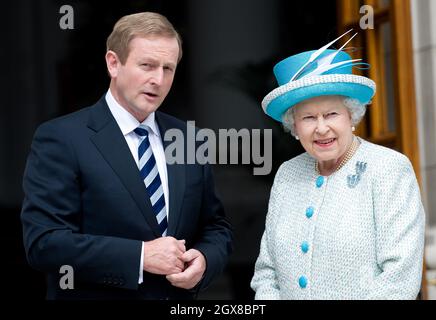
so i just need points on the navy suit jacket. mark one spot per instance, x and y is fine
(86, 206)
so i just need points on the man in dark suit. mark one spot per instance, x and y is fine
(100, 197)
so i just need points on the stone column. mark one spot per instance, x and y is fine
(424, 46)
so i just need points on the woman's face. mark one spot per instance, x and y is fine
(323, 125)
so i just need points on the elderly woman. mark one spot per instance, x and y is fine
(345, 219)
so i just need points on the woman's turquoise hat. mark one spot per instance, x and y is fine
(316, 73)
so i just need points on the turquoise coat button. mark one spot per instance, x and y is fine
(319, 181)
(309, 212)
(305, 246)
(302, 282)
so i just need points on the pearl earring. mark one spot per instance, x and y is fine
(297, 138)
(353, 128)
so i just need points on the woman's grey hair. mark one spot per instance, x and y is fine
(356, 108)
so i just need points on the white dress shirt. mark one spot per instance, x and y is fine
(127, 123)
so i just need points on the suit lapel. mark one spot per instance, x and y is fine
(111, 143)
(176, 180)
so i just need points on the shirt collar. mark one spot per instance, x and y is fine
(125, 120)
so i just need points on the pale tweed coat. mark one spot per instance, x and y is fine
(359, 235)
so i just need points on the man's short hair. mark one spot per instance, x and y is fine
(142, 24)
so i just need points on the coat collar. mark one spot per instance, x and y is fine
(176, 177)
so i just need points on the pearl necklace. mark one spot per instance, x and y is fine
(348, 155)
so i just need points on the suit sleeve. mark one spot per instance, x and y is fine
(51, 218)
(399, 220)
(215, 241)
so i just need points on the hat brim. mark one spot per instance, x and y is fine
(287, 96)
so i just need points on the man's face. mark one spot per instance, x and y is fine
(143, 82)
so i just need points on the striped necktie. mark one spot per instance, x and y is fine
(150, 176)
